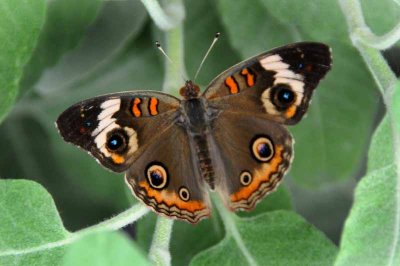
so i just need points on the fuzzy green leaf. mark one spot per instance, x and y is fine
(274, 238)
(66, 22)
(32, 233)
(103, 43)
(372, 231)
(20, 23)
(103, 249)
(28, 219)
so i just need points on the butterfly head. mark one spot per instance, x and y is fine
(190, 90)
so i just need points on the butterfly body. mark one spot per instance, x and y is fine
(231, 138)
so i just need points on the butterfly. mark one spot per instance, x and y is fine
(232, 138)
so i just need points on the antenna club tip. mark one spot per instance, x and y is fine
(158, 44)
(217, 34)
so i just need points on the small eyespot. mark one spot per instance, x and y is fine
(157, 176)
(116, 141)
(184, 194)
(245, 178)
(262, 148)
(87, 124)
(282, 96)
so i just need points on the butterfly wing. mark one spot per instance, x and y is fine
(138, 132)
(253, 100)
(277, 84)
(116, 128)
(253, 154)
(165, 178)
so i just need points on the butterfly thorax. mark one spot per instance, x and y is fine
(197, 122)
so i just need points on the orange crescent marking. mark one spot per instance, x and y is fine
(117, 159)
(290, 112)
(249, 77)
(135, 107)
(231, 84)
(153, 106)
(171, 198)
(260, 176)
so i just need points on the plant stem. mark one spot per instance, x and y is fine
(231, 229)
(129, 216)
(175, 72)
(159, 250)
(378, 66)
(161, 18)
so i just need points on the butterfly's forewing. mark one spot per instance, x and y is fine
(116, 128)
(138, 133)
(254, 100)
(277, 84)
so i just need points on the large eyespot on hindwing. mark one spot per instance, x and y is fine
(262, 148)
(157, 175)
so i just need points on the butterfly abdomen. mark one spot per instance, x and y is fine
(204, 159)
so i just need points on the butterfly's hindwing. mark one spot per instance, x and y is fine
(255, 153)
(181, 193)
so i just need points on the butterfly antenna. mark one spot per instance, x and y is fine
(208, 51)
(169, 59)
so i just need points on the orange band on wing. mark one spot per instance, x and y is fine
(136, 108)
(230, 82)
(290, 112)
(153, 106)
(249, 77)
(260, 176)
(171, 198)
(118, 159)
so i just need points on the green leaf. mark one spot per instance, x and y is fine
(32, 233)
(275, 238)
(372, 231)
(107, 248)
(66, 22)
(105, 40)
(198, 36)
(20, 23)
(257, 30)
(339, 118)
(29, 219)
(381, 16)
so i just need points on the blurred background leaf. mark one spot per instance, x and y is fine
(20, 24)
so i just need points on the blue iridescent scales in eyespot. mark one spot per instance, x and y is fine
(263, 150)
(114, 142)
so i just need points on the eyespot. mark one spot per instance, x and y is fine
(116, 141)
(87, 124)
(157, 176)
(282, 96)
(245, 178)
(184, 193)
(262, 148)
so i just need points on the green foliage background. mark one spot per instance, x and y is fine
(55, 53)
